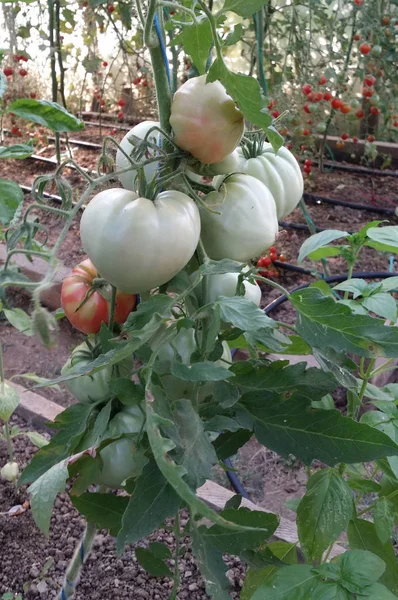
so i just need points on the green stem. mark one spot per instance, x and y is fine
(7, 435)
(312, 228)
(75, 566)
(112, 308)
(163, 93)
(213, 26)
(273, 284)
(1, 363)
(150, 39)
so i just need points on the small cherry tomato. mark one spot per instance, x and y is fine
(327, 96)
(368, 92)
(275, 114)
(111, 8)
(33, 95)
(359, 113)
(104, 64)
(306, 108)
(306, 89)
(23, 72)
(121, 103)
(8, 71)
(308, 162)
(369, 80)
(120, 115)
(264, 261)
(345, 109)
(306, 132)
(357, 37)
(344, 136)
(365, 48)
(371, 138)
(307, 169)
(273, 256)
(336, 103)
(282, 258)
(374, 110)
(340, 145)
(355, 139)
(86, 305)
(322, 80)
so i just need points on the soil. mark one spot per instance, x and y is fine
(24, 552)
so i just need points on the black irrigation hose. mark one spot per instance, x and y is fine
(289, 267)
(233, 478)
(319, 199)
(107, 125)
(363, 171)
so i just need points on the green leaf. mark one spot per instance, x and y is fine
(44, 491)
(37, 439)
(255, 577)
(330, 591)
(49, 114)
(363, 535)
(324, 323)
(127, 392)
(160, 550)
(292, 427)
(387, 236)
(157, 305)
(11, 197)
(319, 240)
(355, 286)
(244, 8)
(323, 513)
(19, 319)
(384, 518)
(234, 37)
(227, 444)
(73, 423)
(377, 591)
(360, 568)
(274, 138)
(325, 252)
(152, 563)
(226, 394)
(203, 371)
(17, 151)
(152, 501)
(211, 565)
(197, 455)
(245, 90)
(363, 485)
(232, 542)
(9, 400)
(296, 582)
(105, 510)
(381, 304)
(197, 41)
(221, 267)
(389, 284)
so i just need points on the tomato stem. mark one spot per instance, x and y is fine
(112, 308)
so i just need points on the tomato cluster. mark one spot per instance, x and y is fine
(265, 263)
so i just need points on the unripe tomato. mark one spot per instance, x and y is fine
(355, 104)
(375, 100)
(377, 50)
(321, 127)
(231, 164)
(129, 420)
(89, 316)
(137, 244)
(128, 179)
(10, 471)
(225, 285)
(247, 224)
(365, 48)
(120, 460)
(205, 120)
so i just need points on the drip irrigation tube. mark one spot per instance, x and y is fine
(360, 170)
(107, 125)
(376, 209)
(233, 478)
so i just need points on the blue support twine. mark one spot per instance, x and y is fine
(162, 46)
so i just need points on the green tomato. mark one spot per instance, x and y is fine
(10, 471)
(120, 460)
(205, 120)
(376, 50)
(225, 285)
(231, 164)
(375, 100)
(128, 179)
(247, 223)
(137, 244)
(87, 388)
(129, 420)
(321, 127)
(281, 174)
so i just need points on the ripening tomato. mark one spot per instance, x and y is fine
(365, 48)
(345, 109)
(386, 20)
(89, 315)
(306, 89)
(322, 80)
(371, 138)
(340, 145)
(369, 80)
(336, 103)
(368, 92)
(355, 139)
(205, 120)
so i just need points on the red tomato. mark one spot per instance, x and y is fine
(88, 318)
(33, 95)
(137, 80)
(306, 132)
(395, 124)
(357, 37)
(307, 169)
(121, 103)
(371, 138)
(374, 110)
(344, 136)
(111, 8)
(306, 89)
(264, 261)
(23, 72)
(25, 58)
(359, 114)
(104, 64)
(368, 92)
(336, 103)
(345, 109)
(8, 71)
(275, 114)
(369, 80)
(273, 249)
(355, 139)
(120, 115)
(322, 80)
(308, 162)
(306, 108)
(365, 48)
(327, 96)
(273, 256)
(358, 2)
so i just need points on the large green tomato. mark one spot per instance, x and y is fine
(87, 388)
(246, 224)
(279, 172)
(120, 460)
(137, 244)
(225, 285)
(128, 179)
(205, 120)
(129, 420)
(231, 164)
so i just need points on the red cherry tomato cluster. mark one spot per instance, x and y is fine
(19, 57)
(265, 263)
(16, 131)
(307, 166)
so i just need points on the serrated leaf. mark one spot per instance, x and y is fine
(292, 427)
(211, 565)
(11, 197)
(152, 563)
(384, 518)
(17, 151)
(9, 400)
(245, 90)
(49, 114)
(244, 8)
(197, 41)
(106, 510)
(324, 323)
(323, 513)
(227, 444)
(43, 493)
(362, 535)
(319, 240)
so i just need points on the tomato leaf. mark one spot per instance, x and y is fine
(152, 563)
(106, 510)
(245, 90)
(296, 582)
(259, 576)
(11, 197)
(17, 151)
(292, 427)
(234, 37)
(43, 492)
(384, 519)
(203, 371)
(211, 564)
(197, 41)
(244, 8)
(319, 240)
(9, 400)
(49, 114)
(227, 444)
(323, 512)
